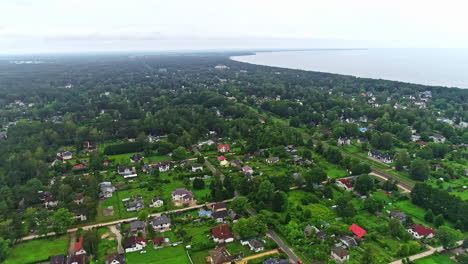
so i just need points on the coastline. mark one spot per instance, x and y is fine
(259, 58)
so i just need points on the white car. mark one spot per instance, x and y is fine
(143, 252)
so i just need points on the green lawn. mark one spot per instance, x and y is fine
(37, 250)
(318, 210)
(435, 259)
(167, 255)
(416, 211)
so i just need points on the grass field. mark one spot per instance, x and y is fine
(37, 250)
(167, 255)
(416, 211)
(435, 259)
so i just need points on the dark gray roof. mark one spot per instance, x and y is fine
(161, 220)
(137, 225)
(255, 243)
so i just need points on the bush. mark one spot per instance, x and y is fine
(126, 147)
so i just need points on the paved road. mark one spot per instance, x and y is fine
(424, 254)
(270, 233)
(405, 190)
(90, 226)
(244, 260)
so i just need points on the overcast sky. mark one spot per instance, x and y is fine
(31, 26)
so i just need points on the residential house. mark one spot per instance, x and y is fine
(64, 155)
(159, 242)
(87, 145)
(80, 215)
(236, 163)
(127, 171)
(77, 259)
(152, 139)
(224, 163)
(421, 144)
(419, 231)
(415, 138)
(222, 234)
(357, 230)
(79, 167)
(106, 189)
(204, 213)
(276, 261)
(224, 148)
(50, 202)
(343, 141)
(78, 249)
(272, 160)
(219, 256)
(78, 198)
(132, 244)
(137, 226)
(161, 223)
(137, 158)
(115, 258)
(221, 158)
(58, 259)
(247, 169)
(135, 205)
(163, 166)
(399, 215)
(182, 196)
(346, 184)
(322, 235)
(437, 138)
(350, 242)
(363, 140)
(208, 142)
(256, 245)
(157, 202)
(106, 162)
(385, 158)
(3, 135)
(197, 167)
(219, 216)
(340, 254)
(308, 229)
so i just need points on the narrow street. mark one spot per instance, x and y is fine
(270, 233)
(118, 236)
(424, 254)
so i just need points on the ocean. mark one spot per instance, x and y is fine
(437, 67)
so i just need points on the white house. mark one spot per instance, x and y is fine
(157, 202)
(340, 254)
(161, 223)
(197, 167)
(133, 244)
(419, 231)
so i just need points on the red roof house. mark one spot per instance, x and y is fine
(421, 143)
(345, 184)
(357, 230)
(419, 231)
(80, 166)
(221, 158)
(222, 234)
(224, 148)
(79, 247)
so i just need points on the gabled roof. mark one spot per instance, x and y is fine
(346, 182)
(79, 244)
(422, 231)
(226, 146)
(161, 220)
(340, 252)
(222, 232)
(131, 241)
(220, 158)
(59, 259)
(219, 206)
(220, 255)
(357, 230)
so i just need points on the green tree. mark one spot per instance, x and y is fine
(429, 216)
(364, 184)
(265, 191)
(419, 170)
(143, 215)
(240, 204)
(4, 248)
(448, 237)
(62, 219)
(280, 202)
(439, 220)
(198, 184)
(91, 240)
(179, 154)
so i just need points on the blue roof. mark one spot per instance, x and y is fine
(204, 213)
(363, 129)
